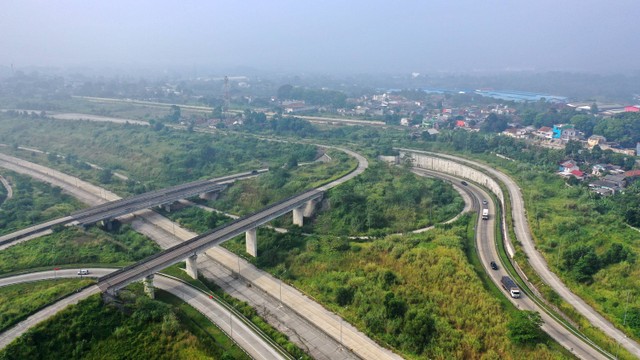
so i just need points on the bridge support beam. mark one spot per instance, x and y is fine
(211, 195)
(192, 266)
(148, 286)
(251, 240)
(298, 216)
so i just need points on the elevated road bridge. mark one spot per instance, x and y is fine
(108, 211)
(189, 249)
(167, 196)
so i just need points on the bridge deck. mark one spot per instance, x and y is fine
(157, 262)
(153, 198)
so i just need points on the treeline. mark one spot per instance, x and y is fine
(278, 124)
(386, 199)
(333, 98)
(582, 262)
(478, 143)
(622, 128)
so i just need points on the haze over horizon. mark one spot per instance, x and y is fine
(330, 36)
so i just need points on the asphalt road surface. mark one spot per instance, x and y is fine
(246, 338)
(485, 242)
(523, 234)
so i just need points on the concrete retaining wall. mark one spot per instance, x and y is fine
(451, 167)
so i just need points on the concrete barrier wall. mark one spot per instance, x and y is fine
(451, 167)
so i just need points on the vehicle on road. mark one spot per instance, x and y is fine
(485, 214)
(463, 183)
(494, 266)
(484, 202)
(83, 272)
(510, 286)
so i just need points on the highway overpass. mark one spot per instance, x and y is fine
(189, 249)
(108, 211)
(162, 197)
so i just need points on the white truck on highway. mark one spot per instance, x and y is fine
(511, 287)
(485, 214)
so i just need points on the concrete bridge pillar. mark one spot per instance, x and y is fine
(211, 195)
(310, 207)
(148, 286)
(110, 296)
(192, 266)
(107, 224)
(251, 240)
(298, 216)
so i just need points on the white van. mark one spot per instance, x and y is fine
(83, 272)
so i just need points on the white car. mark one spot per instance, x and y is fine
(83, 272)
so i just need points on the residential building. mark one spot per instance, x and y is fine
(594, 140)
(545, 132)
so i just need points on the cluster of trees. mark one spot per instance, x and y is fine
(495, 123)
(546, 117)
(385, 200)
(279, 125)
(524, 328)
(582, 262)
(32, 202)
(333, 98)
(138, 328)
(622, 128)
(196, 219)
(627, 204)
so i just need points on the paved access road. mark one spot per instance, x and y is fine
(246, 338)
(523, 234)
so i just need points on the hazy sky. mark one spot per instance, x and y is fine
(325, 36)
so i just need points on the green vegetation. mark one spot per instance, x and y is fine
(33, 202)
(334, 98)
(241, 307)
(74, 246)
(416, 293)
(3, 194)
(196, 219)
(21, 300)
(593, 251)
(524, 328)
(623, 128)
(386, 199)
(154, 158)
(279, 183)
(137, 328)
